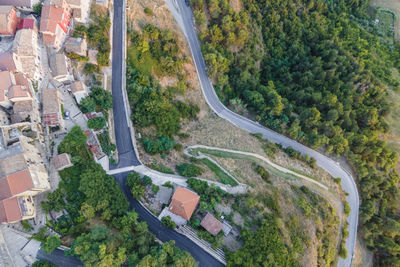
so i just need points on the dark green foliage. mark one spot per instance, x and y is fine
(87, 105)
(75, 56)
(263, 173)
(208, 194)
(155, 188)
(102, 98)
(161, 168)
(161, 46)
(135, 183)
(91, 68)
(264, 247)
(97, 35)
(167, 222)
(316, 71)
(37, 8)
(26, 225)
(158, 146)
(189, 170)
(106, 146)
(43, 263)
(55, 201)
(97, 123)
(52, 242)
(168, 184)
(148, 11)
(41, 236)
(147, 180)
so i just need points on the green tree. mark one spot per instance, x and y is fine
(52, 242)
(134, 182)
(168, 222)
(97, 123)
(87, 105)
(189, 170)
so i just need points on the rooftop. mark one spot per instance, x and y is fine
(15, 3)
(28, 23)
(10, 210)
(15, 184)
(62, 161)
(164, 194)
(58, 65)
(184, 202)
(5, 83)
(77, 87)
(7, 61)
(17, 91)
(211, 224)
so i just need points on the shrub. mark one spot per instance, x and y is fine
(91, 68)
(263, 173)
(52, 242)
(155, 188)
(43, 263)
(148, 11)
(347, 209)
(37, 8)
(167, 222)
(87, 105)
(147, 180)
(134, 183)
(26, 225)
(337, 180)
(178, 147)
(160, 145)
(189, 170)
(168, 184)
(97, 123)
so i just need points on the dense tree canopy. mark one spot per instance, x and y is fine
(316, 71)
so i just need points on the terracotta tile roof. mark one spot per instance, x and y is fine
(62, 161)
(26, 24)
(211, 224)
(17, 91)
(20, 79)
(51, 107)
(184, 202)
(7, 61)
(10, 210)
(8, 20)
(15, 184)
(51, 16)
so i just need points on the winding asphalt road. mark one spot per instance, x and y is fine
(126, 151)
(183, 15)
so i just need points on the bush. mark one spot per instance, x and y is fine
(178, 147)
(148, 11)
(91, 68)
(43, 263)
(189, 170)
(97, 123)
(52, 242)
(347, 209)
(155, 188)
(158, 146)
(168, 184)
(167, 222)
(263, 173)
(87, 105)
(147, 180)
(37, 8)
(161, 168)
(26, 225)
(134, 183)
(337, 180)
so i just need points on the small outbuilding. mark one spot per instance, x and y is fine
(62, 161)
(164, 194)
(211, 224)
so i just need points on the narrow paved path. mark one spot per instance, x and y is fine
(274, 165)
(184, 17)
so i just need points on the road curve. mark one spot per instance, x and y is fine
(183, 15)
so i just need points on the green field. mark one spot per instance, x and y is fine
(222, 176)
(144, 65)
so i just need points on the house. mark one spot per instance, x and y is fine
(164, 194)
(9, 61)
(54, 22)
(9, 19)
(211, 224)
(62, 161)
(23, 111)
(76, 45)
(59, 68)
(80, 10)
(19, 3)
(28, 23)
(52, 115)
(25, 48)
(13, 88)
(22, 175)
(78, 89)
(184, 203)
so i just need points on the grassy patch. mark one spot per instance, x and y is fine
(145, 64)
(222, 176)
(161, 168)
(386, 22)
